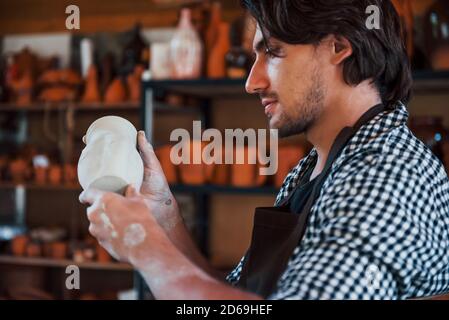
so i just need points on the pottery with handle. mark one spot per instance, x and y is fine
(110, 161)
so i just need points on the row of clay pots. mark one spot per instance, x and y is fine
(22, 246)
(20, 171)
(238, 175)
(117, 91)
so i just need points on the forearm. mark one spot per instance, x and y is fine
(170, 275)
(180, 236)
(182, 239)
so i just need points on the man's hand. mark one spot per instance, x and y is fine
(155, 189)
(121, 224)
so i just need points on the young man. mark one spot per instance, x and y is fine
(364, 216)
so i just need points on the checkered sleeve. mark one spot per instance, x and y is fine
(368, 240)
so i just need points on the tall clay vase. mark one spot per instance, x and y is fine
(405, 11)
(92, 90)
(134, 84)
(115, 93)
(186, 49)
(110, 161)
(163, 154)
(216, 65)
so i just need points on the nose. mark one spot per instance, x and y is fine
(257, 80)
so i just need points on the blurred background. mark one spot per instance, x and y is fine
(160, 64)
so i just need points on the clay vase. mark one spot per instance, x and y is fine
(222, 172)
(59, 250)
(92, 90)
(192, 173)
(55, 174)
(19, 245)
(69, 174)
(116, 92)
(110, 161)
(404, 9)
(134, 84)
(40, 175)
(19, 170)
(216, 66)
(33, 250)
(102, 255)
(24, 89)
(186, 49)
(288, 158)
(163, 154)
(245, 174)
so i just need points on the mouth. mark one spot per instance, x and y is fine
(269, 106)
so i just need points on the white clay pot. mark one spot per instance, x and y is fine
(110, 160)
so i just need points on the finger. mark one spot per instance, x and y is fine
(131, 191)
(93, 213)
(89, 196)
(146, 149)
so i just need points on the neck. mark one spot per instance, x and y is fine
(343, 111)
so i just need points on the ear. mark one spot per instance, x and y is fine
(341, 49)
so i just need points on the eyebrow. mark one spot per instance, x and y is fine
(260, 46)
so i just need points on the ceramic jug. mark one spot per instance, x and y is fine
(110, 161)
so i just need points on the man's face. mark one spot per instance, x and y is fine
(289, 83)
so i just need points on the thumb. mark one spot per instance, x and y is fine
(146, 149)
(131, 191)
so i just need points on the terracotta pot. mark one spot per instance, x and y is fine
(34, 250)
(40, 175)
(404, 9)
(216, 66)
(163, 154)
(55, 174)
(70, 176)
(288, 158)
(19, 245)
(19, 170)
(102, 255)
(116, 92)
(110, 161)
(57, 94)
(222, 174)
(92, 89)
(244, 174)
(196, 174)
(134, 84)
(58, 250)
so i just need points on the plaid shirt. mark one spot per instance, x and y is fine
(380, 226)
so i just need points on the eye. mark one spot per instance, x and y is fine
(272, 53)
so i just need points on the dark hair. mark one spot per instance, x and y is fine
(378, 54)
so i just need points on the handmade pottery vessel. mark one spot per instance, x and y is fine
(110, 160)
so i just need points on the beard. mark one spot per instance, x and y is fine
(305, 112)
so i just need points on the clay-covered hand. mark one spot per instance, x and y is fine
(155, 188)
(121, 224)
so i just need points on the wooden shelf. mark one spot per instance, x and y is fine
(47, 262)
(179, 188)
(32, 186)
(214, 189)
(40, 107)
(224, 87)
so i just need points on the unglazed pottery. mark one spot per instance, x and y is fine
(110, 160)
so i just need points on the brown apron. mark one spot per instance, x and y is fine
(277, 231)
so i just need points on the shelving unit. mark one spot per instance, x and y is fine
(47, 262)
(204, 91)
